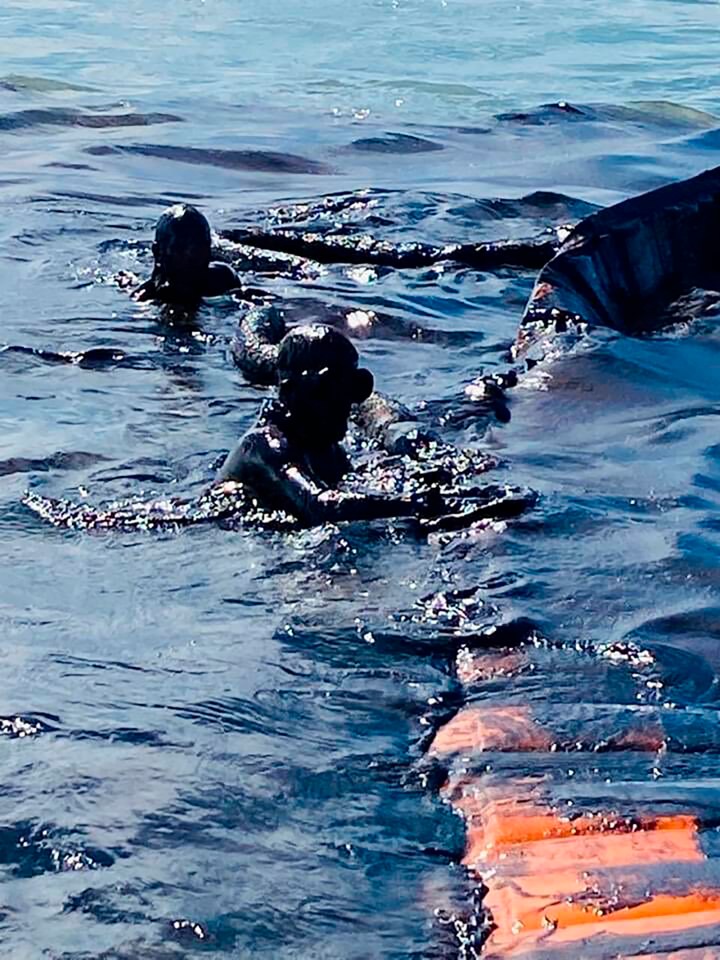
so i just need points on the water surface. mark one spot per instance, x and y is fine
(223, 726)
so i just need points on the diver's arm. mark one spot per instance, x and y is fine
(313, 504)
(221, 279)
(261, 461)
(156, 288)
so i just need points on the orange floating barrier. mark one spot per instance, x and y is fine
(558, 924)
(561, 881)
(512, 728)
(544, 875)
(558, 880)
(502, 834)
(587, 853)
(491, 728)
(692, 953)
(478, 668)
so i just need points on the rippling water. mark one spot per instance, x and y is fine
(223, 727)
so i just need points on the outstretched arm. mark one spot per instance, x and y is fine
(262, 462)
(314, 504)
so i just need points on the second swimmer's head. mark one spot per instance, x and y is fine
(182, 248)
(319, 380)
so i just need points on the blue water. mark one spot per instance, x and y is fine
(223, 726)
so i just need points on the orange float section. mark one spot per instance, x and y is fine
(563, 885)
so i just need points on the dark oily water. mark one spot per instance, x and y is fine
(216, 740)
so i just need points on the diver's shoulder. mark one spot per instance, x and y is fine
(265, 440)
(263, 447)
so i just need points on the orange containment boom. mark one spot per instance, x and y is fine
(566, 884)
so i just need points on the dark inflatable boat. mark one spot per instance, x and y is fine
(624, 266)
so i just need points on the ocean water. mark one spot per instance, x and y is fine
(214, 739)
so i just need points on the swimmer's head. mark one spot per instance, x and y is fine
(182, 249)
(319, 380)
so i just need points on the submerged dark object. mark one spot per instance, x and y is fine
(623, 266)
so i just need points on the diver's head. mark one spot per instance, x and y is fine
(182, 248)
(319, 380)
